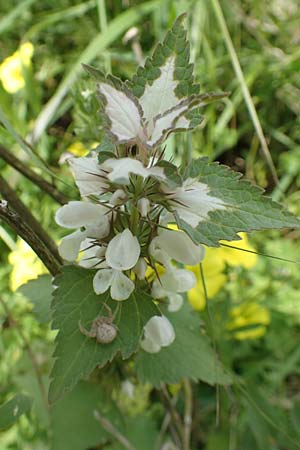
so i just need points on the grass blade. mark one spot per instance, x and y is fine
(9, 20)
(247, 97)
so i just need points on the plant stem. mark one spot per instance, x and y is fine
(187, 420)
(176, 419)
(25, 231)
(27, 218)
(247, 97)
(110, 428)
(47, 187)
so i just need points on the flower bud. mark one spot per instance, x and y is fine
(158, 332)
(140, 269)
(143, 206)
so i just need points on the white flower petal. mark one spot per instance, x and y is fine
(102, 280)
(179, 280)
(120, 169)
(157, 291)
(78, 214)
(121, 286)
(123, 251)
(158, 253)
(175, 302)
(149, 346)
(123, 113)
(160, 330)
(89, 177)
(180, 247)
(70, 245)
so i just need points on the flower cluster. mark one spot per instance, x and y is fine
(132, 197)
(121, 230)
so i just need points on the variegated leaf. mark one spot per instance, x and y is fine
(123, 113)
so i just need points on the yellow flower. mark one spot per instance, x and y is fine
(251, 316)
(239, 258)
(79, 149)
(25, 263)
(213, 267)
(214, 263)
(11, 69)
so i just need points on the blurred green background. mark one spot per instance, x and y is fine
(47, 99)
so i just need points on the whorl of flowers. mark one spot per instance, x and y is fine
(131, 196)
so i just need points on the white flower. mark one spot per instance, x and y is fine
(176, 245)
(193, 202)
(77, 214)
(175, 300)
(70, 245)
(119, 170)
(89, 176)
(171, 284)
(158, 333)
(123, 251)
(178, 280)
(121, 287)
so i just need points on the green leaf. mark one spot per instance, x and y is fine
(13, 409)
(245, 209)
(190, 355)
(81, 430)
(39, 292)
(77, 355)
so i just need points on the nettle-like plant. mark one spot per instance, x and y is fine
(141, 222)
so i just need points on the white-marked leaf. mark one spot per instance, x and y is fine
(179, 119)
(244, 207)
(122, 111)
(160, 96)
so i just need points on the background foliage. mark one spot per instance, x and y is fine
(253, 317)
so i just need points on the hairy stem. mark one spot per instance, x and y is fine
(44, 185)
